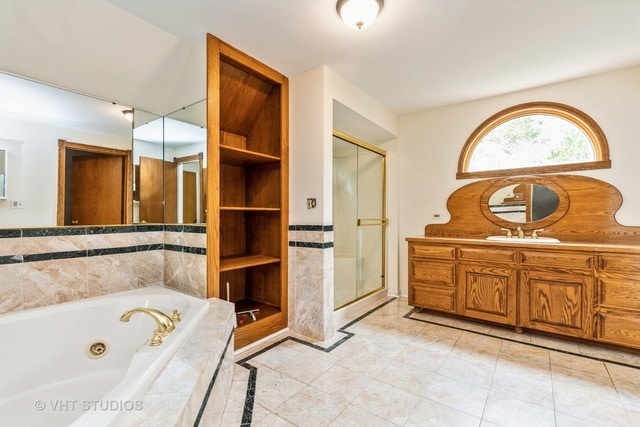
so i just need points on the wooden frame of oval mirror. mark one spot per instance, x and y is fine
(525, 201)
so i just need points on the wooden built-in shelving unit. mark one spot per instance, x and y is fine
(248, 181)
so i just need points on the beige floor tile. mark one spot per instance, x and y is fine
(436, 333)
(564, 420)
(594, 410)
(259, 413)
(536, 390)
(594, 367)
(352, 416)
(406, 377)
(472, 370)
(304, 368)
(507, 411)
(275, 388)
(276, 356)
(342, 382)
(457, 394)
(425, 358)
(272, 420)
(311, 407)
(369, 364)
(387, 402)
(430, 413)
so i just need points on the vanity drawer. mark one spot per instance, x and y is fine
(440, 273)
(626, 263)
(556, 259)
(433, 298)
(432, 251)
(484, 254)
(619, 327)
(619, 290)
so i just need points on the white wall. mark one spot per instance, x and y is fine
(33, 168)
(96, 48)
(430, 144)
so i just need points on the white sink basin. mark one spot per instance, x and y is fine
(523, 240)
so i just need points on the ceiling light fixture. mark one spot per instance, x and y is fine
(359, 14)
(128, 114)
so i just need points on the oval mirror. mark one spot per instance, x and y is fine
(524, 200)
(523, 203)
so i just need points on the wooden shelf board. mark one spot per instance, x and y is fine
(247, 304)
(248, 209)
(240, 157)
(244, 261)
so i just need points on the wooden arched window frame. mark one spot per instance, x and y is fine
(566, 112)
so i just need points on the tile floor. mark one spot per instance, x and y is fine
(393, 367)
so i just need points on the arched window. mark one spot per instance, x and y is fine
(536, 137)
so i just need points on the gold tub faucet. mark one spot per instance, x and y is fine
(164, 322)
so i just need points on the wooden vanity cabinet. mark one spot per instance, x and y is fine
(618, 312)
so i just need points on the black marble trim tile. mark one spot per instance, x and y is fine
(314, 245)
(112, 251)
(253, 371)
(112, 229)
(151, 247)
(311, 228)
(10, 233)
(585, 356)
(194, 250)
(54, 255)
(11, 259)
(149, 227)
(188, 228)
(212, 382)
(188, 249)
(54, 231)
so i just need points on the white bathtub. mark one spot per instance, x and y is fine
(46, 377)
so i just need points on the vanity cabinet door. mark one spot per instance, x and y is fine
(557, 301)
(488, 292)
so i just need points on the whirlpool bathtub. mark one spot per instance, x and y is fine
(77, 364)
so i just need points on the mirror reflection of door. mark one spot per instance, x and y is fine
(93, 185)
(150, 190)
(96, 190)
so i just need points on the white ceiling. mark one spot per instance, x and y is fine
(419, 54)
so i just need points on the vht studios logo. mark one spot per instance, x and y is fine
(61, 405)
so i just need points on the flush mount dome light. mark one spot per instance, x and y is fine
(358, 14)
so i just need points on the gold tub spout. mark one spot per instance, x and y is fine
(164, 322)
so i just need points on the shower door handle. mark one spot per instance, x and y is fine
(370, 222)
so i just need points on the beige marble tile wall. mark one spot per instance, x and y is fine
(44, 266)
(185, 260)
(311, 280)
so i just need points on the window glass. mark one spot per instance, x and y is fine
(540, 137)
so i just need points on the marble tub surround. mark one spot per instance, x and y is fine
(398, 367)
(44, 266)
(311, 280)
(192, 388)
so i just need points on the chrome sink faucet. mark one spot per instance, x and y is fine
(164, 323)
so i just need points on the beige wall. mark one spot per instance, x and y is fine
(430, 143)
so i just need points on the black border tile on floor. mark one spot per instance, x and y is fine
(253, 371)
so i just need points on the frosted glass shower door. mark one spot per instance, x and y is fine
(371, 222)
(358, 220)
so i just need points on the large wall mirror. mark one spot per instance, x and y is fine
(169, 156)
(39, 124)
(71, 159)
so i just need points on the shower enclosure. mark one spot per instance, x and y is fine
(359, 221)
